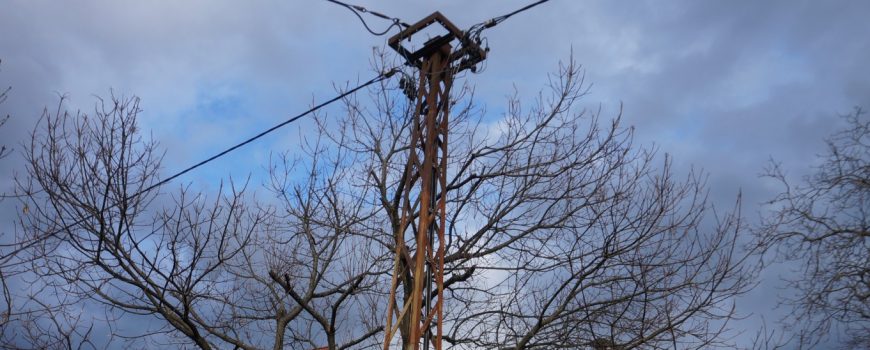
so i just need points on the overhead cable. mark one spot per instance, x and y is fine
(356, 9)
(382, 76)
(496, 20)
(475, 30)
(376, 79)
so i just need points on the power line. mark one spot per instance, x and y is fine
(522, 9)
(384, 75)
(376, 79)
(502, 18)
(475, 30)
(356, 9)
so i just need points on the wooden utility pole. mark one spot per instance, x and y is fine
(422, 307)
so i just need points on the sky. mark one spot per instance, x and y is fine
(723, 86)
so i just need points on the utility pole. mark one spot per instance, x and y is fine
(422, 307)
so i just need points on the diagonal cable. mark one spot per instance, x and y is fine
(492, 22)
(356, 9)
(384, 75)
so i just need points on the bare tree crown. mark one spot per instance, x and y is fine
(562, 232)
(822, 223)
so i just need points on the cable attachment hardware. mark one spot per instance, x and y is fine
(408, 86)
(467, 54)
(391, 72)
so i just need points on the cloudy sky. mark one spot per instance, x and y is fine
(721, 85)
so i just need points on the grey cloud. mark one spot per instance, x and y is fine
(719, 85)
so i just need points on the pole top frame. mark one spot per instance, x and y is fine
(468, 54)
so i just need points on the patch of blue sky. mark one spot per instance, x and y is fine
(220, 115)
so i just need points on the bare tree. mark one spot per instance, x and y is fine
(198, 265)
(562, 233)
(31, 321)
(822, 223)
(768, 338)
(97, 240)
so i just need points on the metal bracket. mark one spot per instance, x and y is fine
(469, 52)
